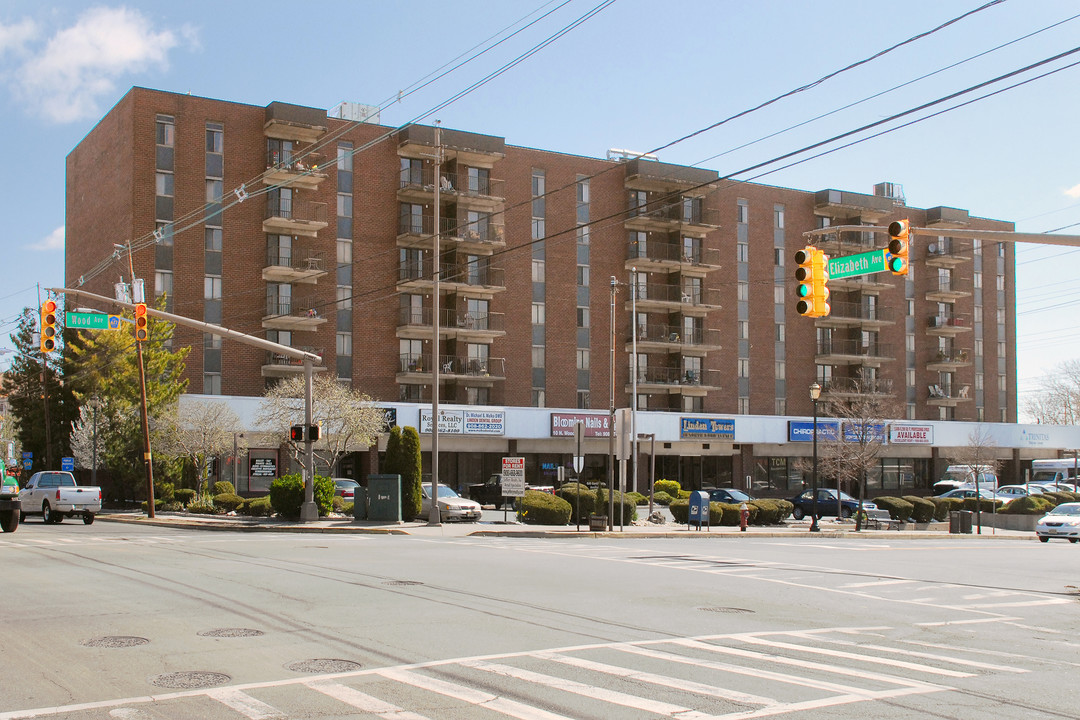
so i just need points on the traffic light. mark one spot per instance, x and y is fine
(296, 433)
(812, 275)
(313, 432)
(896, 258)
(142, 329)
(48, 326)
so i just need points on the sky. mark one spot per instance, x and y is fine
(635, 74)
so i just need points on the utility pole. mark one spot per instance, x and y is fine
(434, 515)
(137, 297)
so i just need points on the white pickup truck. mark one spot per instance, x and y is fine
(55, 495)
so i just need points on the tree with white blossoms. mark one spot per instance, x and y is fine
(349, 419)
(197, 432)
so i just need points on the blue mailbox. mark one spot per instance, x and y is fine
(699, 509)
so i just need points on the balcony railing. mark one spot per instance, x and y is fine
(672, 252)
(950, 356)
(297, 210)
(472, 275)
(298, 307)
(677, 294)
(451, 183)
(677, 212)
(273, 358)
(295, 261)
(295, 161)
(482, 232)
(859, 311)
(855, 348)
(857, 386)
(451, 319)
(955, 320)
(676, 335)
(669, 376)
(454, 365)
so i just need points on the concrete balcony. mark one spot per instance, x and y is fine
(663, 256)
(416, 370)
(947, 291)
(843, 205)
(472, 149)
(948, 395)
(674, 381)
(277, 365)
(673, 217)
(474, 238)
(470, 193)
(650, 175)
(666, 297)
(294, 314)
(853, 352)
(294, 122)
(673, 339)
(946, 361)
(287, 171)
(946, 254)
(856, 315)
(302, 268)
(850, 388)
(949, 325)
(415, 323)
(297, 217)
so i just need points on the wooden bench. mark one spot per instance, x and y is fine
(879, 518)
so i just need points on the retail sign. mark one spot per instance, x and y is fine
(513, 477)
(691, 428)
(451, 422)
(855, 432)
(911, 434)
(562, 425)
(803, 431)
(1034, 438)
(263, 467)
(466, 422)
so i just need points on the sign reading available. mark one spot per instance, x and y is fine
(911, 434)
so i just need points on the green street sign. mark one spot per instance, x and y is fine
(87, 321)
(861, 264)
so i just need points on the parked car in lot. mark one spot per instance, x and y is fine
(1008, 493)
(490, 491)
(345, 488)
(54, 495)
(1061, 522)
(730, 495)
(970, 492)
(804, 504)
(1055, 486)
(452, 507)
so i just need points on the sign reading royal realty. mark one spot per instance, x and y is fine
(562, 424)
(911, 434)
(706, 428)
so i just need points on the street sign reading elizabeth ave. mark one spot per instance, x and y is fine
(861, 264)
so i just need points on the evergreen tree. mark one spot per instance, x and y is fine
(392, 459)
(410, 471)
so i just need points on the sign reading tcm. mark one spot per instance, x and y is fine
(911, 434)
(562, 424)
(803, 431)
(513, 477)
(706, 428)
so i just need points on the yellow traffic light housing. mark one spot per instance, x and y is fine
(142, 327)
(812, 276)
(48, 326)
(896, 257)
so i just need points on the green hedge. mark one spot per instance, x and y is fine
(662, 498)
(770, 511)
(1030, 505)
(201, 508)
(637, 498)
(944, 506)
(256, 507)
(922, 509)
(578, 496)
(227, 502)
(287, 495)
(680, 510)
(540, 508)
(184, 495)
(983, 504)
(224, 487)
(671, 487)
(629, 508)
(165, 491)
(899, 509)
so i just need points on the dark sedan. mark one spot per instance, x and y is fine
(733, 496)
(804, 504)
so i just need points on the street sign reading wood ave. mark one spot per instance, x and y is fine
(861, 264)
(87, 321)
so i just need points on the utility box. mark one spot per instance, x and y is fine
(359, 508)
(699, 509)
(384, 498)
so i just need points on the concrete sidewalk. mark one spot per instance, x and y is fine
(340, 524)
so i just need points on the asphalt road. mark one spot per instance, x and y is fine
(119, 621)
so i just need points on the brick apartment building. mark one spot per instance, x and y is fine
(317, 232)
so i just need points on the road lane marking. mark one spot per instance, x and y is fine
(470, 695)
(976, 621)
(876, 583)
(913, 653)
(362, 701)
(246, 705)
(661, 680)
(814, 650)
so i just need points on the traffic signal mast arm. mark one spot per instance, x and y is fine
(989, 235)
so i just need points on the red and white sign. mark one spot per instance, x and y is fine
(562, 424)
(513, 477)
(911, 434)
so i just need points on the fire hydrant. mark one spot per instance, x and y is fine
(744, 517)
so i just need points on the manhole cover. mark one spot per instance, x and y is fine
(231, 632)
(190, 680)
(115, 641)
(729, 610)
(403, 582)
(323, 665)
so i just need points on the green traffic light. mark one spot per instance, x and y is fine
(896, 264)
(803, 290)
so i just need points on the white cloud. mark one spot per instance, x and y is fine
(52, 241)
(1073, 192)
(15, 37)
(80, 64)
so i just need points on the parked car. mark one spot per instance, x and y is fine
(804, 504)
(730, 495)
(970, 492)
(962, 476)
(1061, 522)
(345, 488)
(490, 491)
(1055, 486)
(452, 507)
(55, 495)
(1008, 493)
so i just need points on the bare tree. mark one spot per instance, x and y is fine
(349, 419)
(198, 432)
(981, 455)
(864, 408)
(1057, 401)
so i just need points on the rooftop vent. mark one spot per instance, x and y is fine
(356, 112)
(893, 191)
(623, 155)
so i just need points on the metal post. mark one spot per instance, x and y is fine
(434, 517)
(308, 510)
(652, 465)
(815, 393)
(147, 456)
(611, 419)
(93, 462)
(634, 382)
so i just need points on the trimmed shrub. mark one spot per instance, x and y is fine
(347, 509)
(629, 509)
(899, 509)
(184, 495)
(767, 511)
(662, 498)
(671, 487)
(324, 494)
(540, 508)
(224, 487)
(578, 496)
(164, 491)
(1057, 497)
(944, 506)
(257, 507)
(287, 495)
(1030, 505)
(922, 509)
(729, 513)
(198, 507)
(983, 504)
(410, 469)
(637, 498)
(227, 502)
(159, 504)
(684, 494)
(680, 510)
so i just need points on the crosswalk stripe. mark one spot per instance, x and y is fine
(814, 650)
(612, 696)
(470, 695)
(363, 701)
(913, 653)
(661, 680)
(246, 705)
(876, 583)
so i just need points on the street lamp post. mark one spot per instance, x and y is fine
(815, 393)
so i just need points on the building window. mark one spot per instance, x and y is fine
(211, 383)
(978, 347)
(583, 275)
(166, 131)
(538, 397)
(214, 190)
(778, 257)
(781, 406)
(978, 381)
(742, 252)
(743, 210)
(344, 205)
(742, 291)
(583, 235)
(539, 316)
(163, 184)
(583, 317)
(976, 280)
(215, 138)
(538, 356)
(583, 399)
(744, 406)
(163, 283)
(781, 370)
(344, 158)
(1000, 282)
(213, 239)
(538, 271)
(744, 330)
(778, 294)
(211, 288)
(1001, 349)
(582, 359)
(909, 342)
(781, 332)
(344, 343)
(744, 367)
(778, 216)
